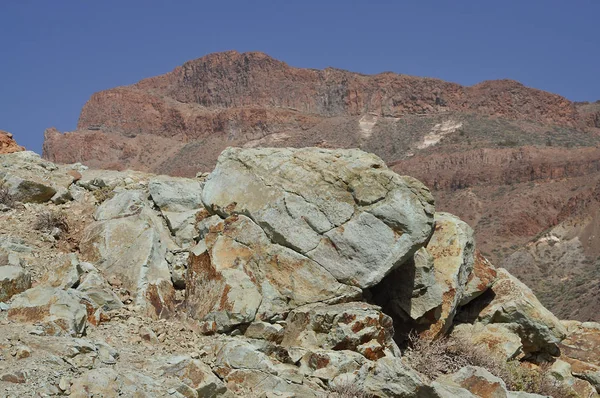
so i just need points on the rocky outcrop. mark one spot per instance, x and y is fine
(8, 144)
(503, 157)
(269, 287)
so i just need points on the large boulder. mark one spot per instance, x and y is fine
(342, 209)
(509, 301)
(452, 247)
(29, 178)
(581, 349)
(479, 382)
(356, 326)
(59, 311)
(390, 377)
(499, 339)
(128, 242)
(237, 275)
(13, 280)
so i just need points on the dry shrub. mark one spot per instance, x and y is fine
(5, 197)
(435, 357)
(347, 390)
(48, 220)
(104, 193)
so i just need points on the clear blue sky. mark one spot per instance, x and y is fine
(55, 54)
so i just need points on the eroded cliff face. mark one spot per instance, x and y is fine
(234, 99)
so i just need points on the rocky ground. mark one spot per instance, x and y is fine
(283, 273)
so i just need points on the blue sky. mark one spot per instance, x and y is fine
(55, 54)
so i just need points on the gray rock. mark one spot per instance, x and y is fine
(313, 200)
(13, 280)
(196, 375)
(129, 243)
(356, 326)
(174, 194)
(237, 275)
(452, 247)
(515, 303)
(58, 310)
(389, 377)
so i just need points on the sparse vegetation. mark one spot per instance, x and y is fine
(104, 193)
(47, 221)
(436, 357)
(347, 390)
(5, 197)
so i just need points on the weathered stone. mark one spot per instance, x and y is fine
(13, 280)
(443, 390)
(94, 286)
(176, 194)
(14, 377)
(63, 273)
(478, 381)
(107, 382)
(196, 375)
(341, 208)
(30, 178)
(238, 354)
(452, 248)
(583, 343)
(483, 276)
(266, 331)
(236, 275)
(511, 302)
(389, 377)
(353, 326)
(561, 371)
(251, 382)
(178, 264)
(58, 310)
(581, 350)
(129, 243)
(410, 294)
(62, 196)
(499, 339)
(328, 364)
(179, 200)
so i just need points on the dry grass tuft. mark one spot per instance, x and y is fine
(47, 221)
(347, 390)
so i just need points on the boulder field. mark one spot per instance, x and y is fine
(282, 273)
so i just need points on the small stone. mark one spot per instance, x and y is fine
(148, 335)
(64, 383)
(22, 352)
(14, 377)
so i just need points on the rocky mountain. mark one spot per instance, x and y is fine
(284, 272)
(518, 164)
